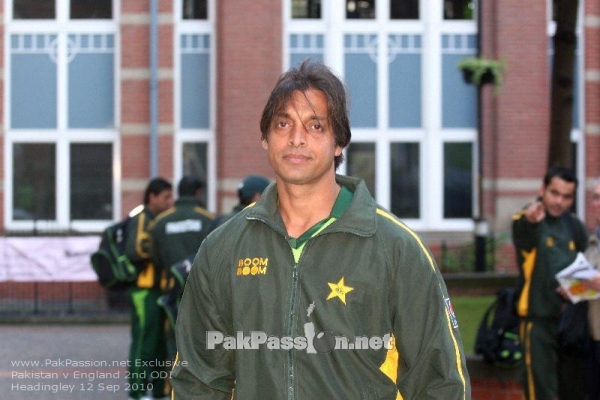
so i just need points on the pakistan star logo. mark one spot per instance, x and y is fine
(339, 290)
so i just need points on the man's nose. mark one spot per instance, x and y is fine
(298, 135)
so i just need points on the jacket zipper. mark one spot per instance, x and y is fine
(291, 330)
(291, 321)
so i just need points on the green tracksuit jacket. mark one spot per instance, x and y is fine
(364, 278)
(178, 232)
(137, 249)
(543, 249)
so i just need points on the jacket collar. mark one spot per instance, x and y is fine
(188, 200)
(359, 218)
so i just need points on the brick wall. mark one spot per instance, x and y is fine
(135, 98)
(493, 383)
(592, 94)
(249, 55)
(516, 119)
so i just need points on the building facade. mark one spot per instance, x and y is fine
(101, 96)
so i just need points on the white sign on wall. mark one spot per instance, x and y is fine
(47, 259)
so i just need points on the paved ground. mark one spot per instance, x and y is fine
(64, 361)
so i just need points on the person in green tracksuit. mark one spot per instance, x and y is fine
(176, 235)
(147, 350)
(315, 291)
(249, 190)
(547, 238)
(178, 232)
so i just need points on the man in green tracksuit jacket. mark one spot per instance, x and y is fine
(547, 238)
(315, 292)
(176, 235)
(147, 318)
(178, 232)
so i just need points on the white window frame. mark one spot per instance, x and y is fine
(182, 135)
(62, 136)
(431, 136)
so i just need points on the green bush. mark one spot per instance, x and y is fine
(461, 257)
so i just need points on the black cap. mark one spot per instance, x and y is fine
(252, 185)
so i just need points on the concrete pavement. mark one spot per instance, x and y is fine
(64, 361)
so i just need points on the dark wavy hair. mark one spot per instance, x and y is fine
(188, 185)
(156, 186)
(311, 75)
(563, 173)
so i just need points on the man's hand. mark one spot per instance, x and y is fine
(535, 212)
(593, 283)
(562, 293)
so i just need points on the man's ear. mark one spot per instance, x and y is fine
(338, 150)
(542, 190)
(265, 144)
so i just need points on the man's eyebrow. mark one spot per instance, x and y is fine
(318, 118)
(312, 117)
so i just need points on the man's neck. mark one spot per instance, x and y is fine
(302, 206)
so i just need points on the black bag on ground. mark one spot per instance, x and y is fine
(110, 263)
(573, 330)
(498, 333)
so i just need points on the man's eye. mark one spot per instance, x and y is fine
(318, 127)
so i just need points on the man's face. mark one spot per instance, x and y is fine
(300, 144)
(160, 202)
(558, 196)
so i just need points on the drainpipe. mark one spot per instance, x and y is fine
(481, 225)
(153, 88)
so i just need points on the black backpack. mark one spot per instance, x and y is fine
(110, 263)
(171, 299)
(498, 334)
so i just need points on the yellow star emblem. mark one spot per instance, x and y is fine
(339, 290)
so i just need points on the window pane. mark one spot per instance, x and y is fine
(404, 175)
(91, 181)
(361, 9)
(34, 181)
(306, 8)
(91, 81)
(361, 163)
(194, 9)
(458, 9)
(405, 81)
(404, 9)
(458, 180)
(459, 99)
(360, 72)
(33, 80)
(303, 46)
(195, 163)
(195, 81)
(34, 9)
(91, 9)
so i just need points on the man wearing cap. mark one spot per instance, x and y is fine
(249, 191)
